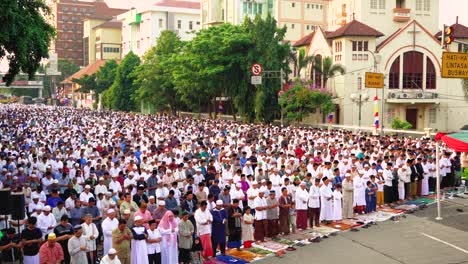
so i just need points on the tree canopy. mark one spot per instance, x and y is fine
(25, 36)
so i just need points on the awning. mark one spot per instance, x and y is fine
(456, 141)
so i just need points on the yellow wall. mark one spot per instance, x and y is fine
(89, 31)
(110, 37)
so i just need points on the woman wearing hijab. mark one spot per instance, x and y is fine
(169, 229)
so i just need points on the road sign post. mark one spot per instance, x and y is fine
(454, 65)
(256, 69)
(256, 80)
(374, 80)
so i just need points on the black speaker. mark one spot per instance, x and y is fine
(17, 206)
(5, 201)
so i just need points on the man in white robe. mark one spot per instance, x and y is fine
(111, 257)
(108, 225)
(359, 192)
(139, 253)
(326, 203)
(77, 247)
(46, 221)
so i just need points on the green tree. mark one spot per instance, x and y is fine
(25, 36)
(105, 76)
(154, 77)
(261, 101)
(119, 96)
(87, 83)
(327, 69)
(212, 64)
(299, 60)
(65, 67)
(300, 101)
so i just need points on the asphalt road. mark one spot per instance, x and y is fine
(416, 239)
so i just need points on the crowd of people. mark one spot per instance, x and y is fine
(130, 188)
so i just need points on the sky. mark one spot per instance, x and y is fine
(449, 9)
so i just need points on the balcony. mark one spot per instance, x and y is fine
(341, 22)
(342, 15)
(401, 14)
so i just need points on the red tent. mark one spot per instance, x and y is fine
(456, 141)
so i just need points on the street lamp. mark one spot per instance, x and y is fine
(359, 98)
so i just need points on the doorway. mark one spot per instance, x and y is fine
(412, 117)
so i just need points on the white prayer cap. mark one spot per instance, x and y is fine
(38, 207)
(108, 193)
(198, 170)
(254, 183)
(169, 171)
(34, 196)
(138, 218)
(112, 203)
(348, 175)
(127, 211)
(131, 173)
(110, 211)
(366, 166)
(219, 202)
(263, 180)
(288, 171)
(112, 251)
(303, 183)
(239, 185)
(76, 165)
(161, 203)
(101, 178)
(152, 197)
(47, 208)
(55, 181)
(267, 192)
(87, 187)
(380, 171)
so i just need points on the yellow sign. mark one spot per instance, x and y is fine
(454, 65)
(374, 80)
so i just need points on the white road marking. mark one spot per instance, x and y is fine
(446, 243)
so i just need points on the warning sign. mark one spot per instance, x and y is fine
(374, 80)
(454, 65)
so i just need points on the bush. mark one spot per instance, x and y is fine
(397, 123)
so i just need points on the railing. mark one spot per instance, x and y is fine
(401, 14)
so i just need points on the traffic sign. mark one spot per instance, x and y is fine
(256, 80)
(454, 65)
(256, 69)
(374, 80)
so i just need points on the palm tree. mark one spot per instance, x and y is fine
(299, 60)
(327, 69)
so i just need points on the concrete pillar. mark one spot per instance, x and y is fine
(40, 93)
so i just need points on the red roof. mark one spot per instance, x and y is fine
(88, 70)
(110, 24)
(355, 28)
(304, 41)
(459, 31)
(178, 4)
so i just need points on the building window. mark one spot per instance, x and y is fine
(138, 44)
(308, 5)
(427, 5)
(307, 27)
(190, 25)
(413, 70)
(198, 23)
(74, 9)
(419, 5)
(64, 28)
(381, 4)
(321, 6)
(394, 76)
(244, 7)
(293, 4)
(65, 9)
(260, 9)
(160, 23)
(354, 57)
(359, 45)
(366, 45)
(354, 45)
(292, 26)
(432, 115)
(179, 24)
(138, 28)
(64, 18)
(430, 75)
(373, 4)
(313, 6)
(462, 47)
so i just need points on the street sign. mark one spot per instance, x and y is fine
(256, 80)
(454, 65)
(374, 80)
(256, 69)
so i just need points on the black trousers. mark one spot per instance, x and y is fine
(222, 245)
(432, 184)
(154, 258)
(314, 217)
(407, 190)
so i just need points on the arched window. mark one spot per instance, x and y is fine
(394, 76)
(430, 75)
(413, 64)
(413, 72)
(317, 74)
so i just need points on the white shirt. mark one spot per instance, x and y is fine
(314, 197)
(302, 196)
(237, 194)
(115, 186)
(251, 192)
(260, 202)
(153, 247)
(84, 197)
(100, 188)
(201, 218)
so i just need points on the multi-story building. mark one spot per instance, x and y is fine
(101, 39)
(405, 48)
(300, 17)
(142, 27)
(68, 17)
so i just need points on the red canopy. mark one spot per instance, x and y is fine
(457, 141)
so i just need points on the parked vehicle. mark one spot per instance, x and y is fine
(25, 100)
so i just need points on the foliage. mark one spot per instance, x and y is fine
(105, 76)
(87, 83)
(298, 101)
(327, 69)
(119, 96)
(154, 80)
(299, 60)
(25, 36)
(397, 123)
(65, 67)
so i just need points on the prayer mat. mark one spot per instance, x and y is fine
(325, 230)
(284, 240)
(260, 251)
(296, 237)
(353, 223)
(406, 207)
(213, 261)
(230, 259)
(243, 254)
(270, 245)
(340, 226)
(426, 200)
(391, 210)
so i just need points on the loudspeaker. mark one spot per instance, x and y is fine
(5, 201)
(17, 204)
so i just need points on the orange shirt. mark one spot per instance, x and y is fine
(50, 255)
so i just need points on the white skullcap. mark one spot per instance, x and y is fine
(138, 218)
(87, 187)
(112, 251)
(161, 203)
(47, 208)
(219, 202)
(239, 185)
(110, 211)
